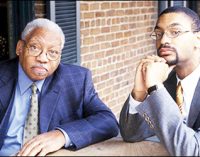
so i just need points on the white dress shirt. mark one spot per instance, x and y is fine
(189, 84)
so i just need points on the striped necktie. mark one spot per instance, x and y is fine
(179, 97)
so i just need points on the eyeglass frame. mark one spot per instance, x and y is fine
(40, 52)
(167, 33)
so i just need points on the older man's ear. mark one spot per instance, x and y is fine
(19, 48)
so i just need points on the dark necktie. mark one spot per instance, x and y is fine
(31, 125)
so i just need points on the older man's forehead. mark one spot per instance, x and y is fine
(42, 32)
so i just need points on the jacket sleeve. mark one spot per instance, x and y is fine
(133, 127)
(98, 122)
(161, 111)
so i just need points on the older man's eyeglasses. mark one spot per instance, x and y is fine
(35, 50)
(171, 33)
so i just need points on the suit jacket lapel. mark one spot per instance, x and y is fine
(193, 120)
(4, 120)
(195, 107)
(7, 86)
(5, 96)
(49, 98)
(170, 84)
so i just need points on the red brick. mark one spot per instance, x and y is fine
(84, 7)
(94, 6)
(105, 5)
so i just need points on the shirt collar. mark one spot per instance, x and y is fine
(25, 82)
(191, 80)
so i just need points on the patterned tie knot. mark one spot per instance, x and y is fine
(34, 88)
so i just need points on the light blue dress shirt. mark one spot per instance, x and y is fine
(21, 104)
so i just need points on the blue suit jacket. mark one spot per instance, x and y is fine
(68, 100)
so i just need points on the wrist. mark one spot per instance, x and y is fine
(139, 95)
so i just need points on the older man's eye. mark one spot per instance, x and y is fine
(34, 48)
(53, 52)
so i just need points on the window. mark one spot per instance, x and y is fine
(192, 4)
(14, 16)
(168, 3)
(66, 15)
(178, 3)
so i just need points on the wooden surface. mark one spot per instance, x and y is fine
(116, 147)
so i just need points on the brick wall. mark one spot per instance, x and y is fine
(114, 36)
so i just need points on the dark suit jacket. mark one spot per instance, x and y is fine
(68, 100)
(159, 115)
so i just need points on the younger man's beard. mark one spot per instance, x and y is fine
(169, 62)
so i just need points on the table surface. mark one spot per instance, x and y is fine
(117, 147)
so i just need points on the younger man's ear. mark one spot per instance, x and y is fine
(20, 47)
(197, 42)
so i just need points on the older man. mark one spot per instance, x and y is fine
(45, 105)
